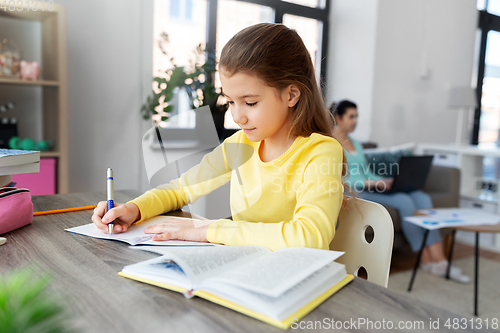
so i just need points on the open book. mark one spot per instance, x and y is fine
(274, 287)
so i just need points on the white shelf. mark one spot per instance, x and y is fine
(476, 198)
(463, 150)
(469, 159)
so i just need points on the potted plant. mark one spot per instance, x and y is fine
(197, 82)
(26, 304)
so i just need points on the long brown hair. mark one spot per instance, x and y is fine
(278, 56)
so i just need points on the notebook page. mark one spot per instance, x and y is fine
(134, 235)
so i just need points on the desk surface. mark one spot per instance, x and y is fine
(479, 228)
(98, 300)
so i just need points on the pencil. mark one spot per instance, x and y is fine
(65, 210)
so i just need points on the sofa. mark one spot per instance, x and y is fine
(442, 184)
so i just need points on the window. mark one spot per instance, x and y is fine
(233, 16)
(310, 31)
(179, 48)
(486, 131)
(178, 19)
(181, 9)
(175, 9)
(487, 116)
(310, 3)
(493, 7)
(213, 22)
(490, 100)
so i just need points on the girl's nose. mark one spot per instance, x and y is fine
(238, 116)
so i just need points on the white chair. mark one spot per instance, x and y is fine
(350, 237)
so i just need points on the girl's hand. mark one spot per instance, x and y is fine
(123, 216)
(181, 229)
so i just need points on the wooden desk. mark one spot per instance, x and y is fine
(98, 300)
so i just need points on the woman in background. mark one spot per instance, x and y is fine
(370, 186)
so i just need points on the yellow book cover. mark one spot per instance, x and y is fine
(274, 287)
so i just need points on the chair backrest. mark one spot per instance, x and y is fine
(374, 256)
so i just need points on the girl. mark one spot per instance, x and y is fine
(284, 165)
(361, 178)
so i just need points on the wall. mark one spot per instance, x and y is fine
(423, 47)
(351, 57)
(104, 92)
(397, 60)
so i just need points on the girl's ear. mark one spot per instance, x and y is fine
(293, 95)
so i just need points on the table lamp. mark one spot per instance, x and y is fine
(462, 98)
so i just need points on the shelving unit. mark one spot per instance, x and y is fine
(53, 84)
(469, 159)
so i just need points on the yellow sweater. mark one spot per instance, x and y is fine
(293, 200)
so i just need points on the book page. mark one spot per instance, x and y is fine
(279, 271)
(135, 234)
(287, 303)
(162, 270)
(200, 263)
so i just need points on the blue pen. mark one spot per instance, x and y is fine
(111, 202)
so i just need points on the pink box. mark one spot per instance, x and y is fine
(41, 183)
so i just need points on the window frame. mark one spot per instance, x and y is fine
(487, 22)
(280, 8)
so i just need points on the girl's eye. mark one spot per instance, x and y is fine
(230, 102)
(251, 104)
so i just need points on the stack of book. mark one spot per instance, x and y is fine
(14, 162)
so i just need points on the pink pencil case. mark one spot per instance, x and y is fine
(16, 208)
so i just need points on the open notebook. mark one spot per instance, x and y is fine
(275, 287)
(135, 233)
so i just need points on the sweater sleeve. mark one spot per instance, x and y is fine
(318, 201)
(212, 172)
(369, 174)
(359, 168)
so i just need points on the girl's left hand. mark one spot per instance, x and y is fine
(193, 230)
